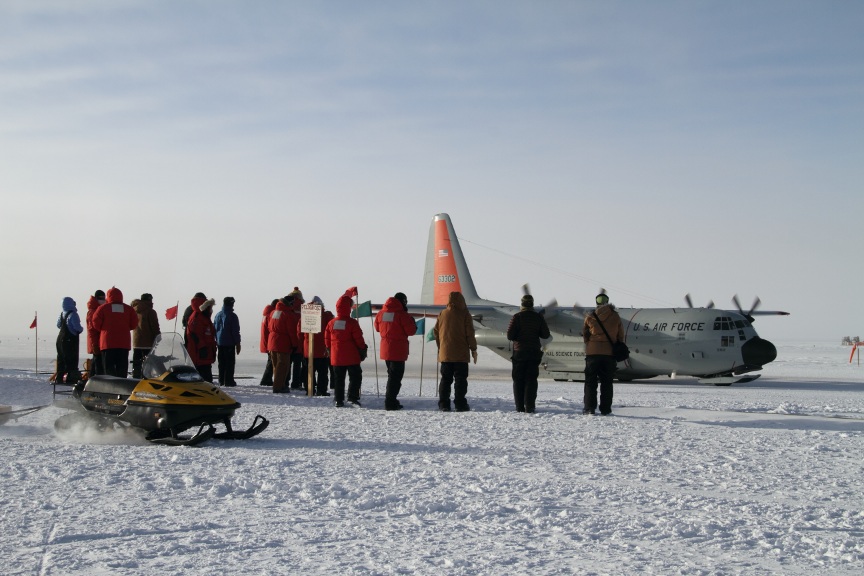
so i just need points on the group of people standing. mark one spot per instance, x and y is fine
(337, 351)
(109, 324)
(212, 340)
(115, 328)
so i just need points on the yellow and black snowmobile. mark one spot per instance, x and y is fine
(171, 399)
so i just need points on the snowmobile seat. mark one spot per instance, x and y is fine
(111, 385)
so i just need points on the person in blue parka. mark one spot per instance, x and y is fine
(227, 341)
(70, 327)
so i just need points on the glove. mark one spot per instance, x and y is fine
(238, 348)
(363, 353)
(474, 355)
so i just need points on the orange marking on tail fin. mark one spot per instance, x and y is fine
(446, 279)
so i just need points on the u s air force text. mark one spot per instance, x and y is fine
(674, 327)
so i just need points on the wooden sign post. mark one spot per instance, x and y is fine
(310, 323)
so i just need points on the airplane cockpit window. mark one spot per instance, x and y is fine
(724, 323)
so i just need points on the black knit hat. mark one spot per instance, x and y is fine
(401, 298)
(228, 301)
(528, 301)
(146, 296)
(99, 295)
(199, 295)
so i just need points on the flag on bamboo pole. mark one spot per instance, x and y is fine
(421, 326)
(33, 324)
(362, 310)
(171, 313)
(430, 336)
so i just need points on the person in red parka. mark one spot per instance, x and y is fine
(320, 361)
(395, 326)
(93, 304)
(267, 377)
(281, 340)
(201, 337)
(344, 340)
(296, 376)
(115, 321)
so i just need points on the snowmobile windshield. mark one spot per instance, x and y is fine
(169, 361)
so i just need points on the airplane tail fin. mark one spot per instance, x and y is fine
(446, 270)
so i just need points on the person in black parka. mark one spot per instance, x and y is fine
(526, 329)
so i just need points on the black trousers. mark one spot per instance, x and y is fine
(455, 374)
(206, 371)
(526, 369)
(295, 373)
(138, 356)
(227, 362)
(395, 372)
(96, 367)
(355, 378)
(599, 368)
(116, 362)
(267, 377)
(320, 374)
(67, 359)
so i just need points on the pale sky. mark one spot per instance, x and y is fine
(244, 148)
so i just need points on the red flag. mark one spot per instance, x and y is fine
(33, 324)
(352, 291)
(171, 313)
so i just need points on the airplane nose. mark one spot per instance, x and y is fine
(757, 352)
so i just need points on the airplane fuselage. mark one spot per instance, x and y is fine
(663, 341)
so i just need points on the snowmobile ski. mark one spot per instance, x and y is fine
(258, 425)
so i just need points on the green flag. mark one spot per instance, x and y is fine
(430, 336)
(362, 310)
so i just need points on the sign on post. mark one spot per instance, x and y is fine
(310, 318)
(310, 323)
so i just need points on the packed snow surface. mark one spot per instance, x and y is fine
(685, 478)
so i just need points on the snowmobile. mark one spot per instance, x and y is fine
(169, 400)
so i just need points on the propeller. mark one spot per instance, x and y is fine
(526, 291)
(553, 305)
(690, 302)
(748, 315)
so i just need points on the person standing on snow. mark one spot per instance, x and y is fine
(93, 304)
(347, 347)
(201, 337)
(70, 327)
(320, 361)
(454, 335)
(295, 373)
(115, 322)
(395, 326)
(227, 341)
(526, 329)
(144, 334)
(188, 312)
(281, 340)
(599, 362)
(267, 377)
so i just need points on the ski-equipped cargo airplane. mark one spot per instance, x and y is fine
(717, 346)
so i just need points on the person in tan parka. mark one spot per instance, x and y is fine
(144, 334)
(599, 362)
(454, 335)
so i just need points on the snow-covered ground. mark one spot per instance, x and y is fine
(759, 478)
